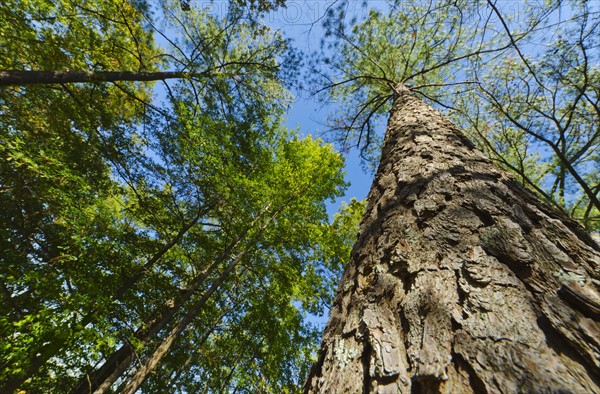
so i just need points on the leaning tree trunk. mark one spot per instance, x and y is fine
(20, 78)
(460, 281)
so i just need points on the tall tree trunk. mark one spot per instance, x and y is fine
(100, 380)
(144, 371)
(162, 350)
(460, 281)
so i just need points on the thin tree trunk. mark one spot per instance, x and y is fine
(142, 373)
(460, 281)
(102, 378)
(118, 362)
(121, 359)
(8, 78)
(173, 379)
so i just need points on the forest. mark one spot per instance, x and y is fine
(163, 230)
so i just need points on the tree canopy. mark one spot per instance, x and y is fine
(134, 215)
(162, 230)
(520, 80)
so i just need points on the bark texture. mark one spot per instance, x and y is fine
(460, 281)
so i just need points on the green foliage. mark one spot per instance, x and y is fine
(536, 110)
(60, 220)
(260, 341)
(84, 35)
(116, 204)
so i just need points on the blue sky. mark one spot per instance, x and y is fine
(309, 115)
(301, 21)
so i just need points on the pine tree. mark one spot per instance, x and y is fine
(460, 281)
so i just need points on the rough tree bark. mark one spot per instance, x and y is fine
(460, 281)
